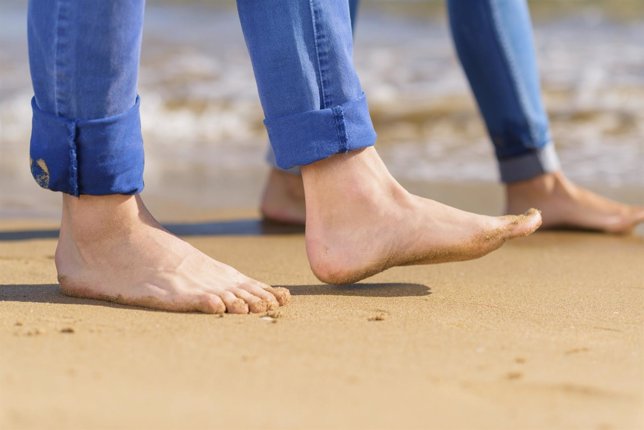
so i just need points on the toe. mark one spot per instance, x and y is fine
(282, 295)
(255, 304)
(261, 291)
(211, 304)
(234, 304)
(523, 225)
(627, 222)
(639, 216)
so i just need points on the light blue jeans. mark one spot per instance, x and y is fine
(493, 39)
(84, 56)
(313, 103)
(494, 42)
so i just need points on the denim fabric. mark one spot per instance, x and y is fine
(103, 156)
(493, 39)
(354, 6)
(86, 134)
(494, 42)
(301, 52)
(84, 56)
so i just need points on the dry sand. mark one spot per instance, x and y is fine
(547, 333)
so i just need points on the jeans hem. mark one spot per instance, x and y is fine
(529, 165)
(96, 157)
(308, 137)
(270, 159)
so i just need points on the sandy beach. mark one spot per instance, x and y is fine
(546, 333)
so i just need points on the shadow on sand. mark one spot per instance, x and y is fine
(240, 227)
(50, 293)
(388, 289)
(47, 293)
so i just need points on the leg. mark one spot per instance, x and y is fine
(283, 196)
(86, 142)
(359, 220)
(493, 39)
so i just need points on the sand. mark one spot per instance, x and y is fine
(547, 333)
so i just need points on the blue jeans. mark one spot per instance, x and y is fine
(494, 42)
(313, 103)
(84, 56)
(86, 133)
(493, 39)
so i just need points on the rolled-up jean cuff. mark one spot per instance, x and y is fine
(95, 157)
(308, 137)
(529, 165)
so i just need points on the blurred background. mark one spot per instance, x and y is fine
(205, 143)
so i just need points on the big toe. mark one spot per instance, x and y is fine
(629, 222)
(523, 225)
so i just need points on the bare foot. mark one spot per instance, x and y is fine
(360, 221)
(565, 205)
(111, 248)
(283, 199)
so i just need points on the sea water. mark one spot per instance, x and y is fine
(201, 114)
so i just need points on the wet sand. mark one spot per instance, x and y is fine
(546, 333)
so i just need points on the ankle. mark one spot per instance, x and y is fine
(542, 185)
(87, 218)
(288, 183)
(99, 204)
(359, 174)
